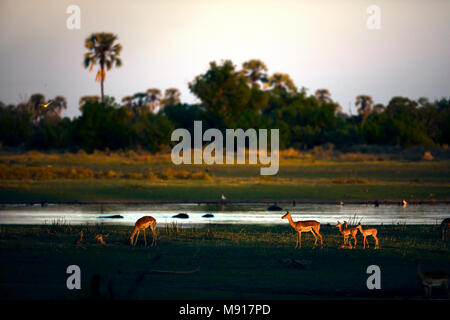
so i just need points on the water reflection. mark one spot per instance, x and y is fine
(223, 214)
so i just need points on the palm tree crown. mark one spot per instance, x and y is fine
(102, 50)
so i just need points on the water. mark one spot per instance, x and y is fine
(223, 214)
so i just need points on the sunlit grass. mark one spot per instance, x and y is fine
(139, 175)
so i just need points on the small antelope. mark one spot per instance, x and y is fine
(346, 232)
(353, 232)
(99, 238)
(433, 279)
(305, 226)
(142, 224)
(368, 232)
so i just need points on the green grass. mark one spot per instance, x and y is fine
(142, 177)
(241, 262)
(310, 189)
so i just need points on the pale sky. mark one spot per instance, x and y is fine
(321, 44)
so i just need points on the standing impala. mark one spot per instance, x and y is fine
(368, 232)
(142, 224)
(433, 279)
(304, 226)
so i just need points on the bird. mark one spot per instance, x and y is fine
(47, 104)
(223, 197)
(404, 203)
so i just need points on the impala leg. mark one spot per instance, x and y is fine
(300, 239)
(315, 237)
(154, 236)
(137, 236)
(145, 238)
(321, 239)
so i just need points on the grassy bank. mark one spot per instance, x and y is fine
(130, 176)
(243, 262)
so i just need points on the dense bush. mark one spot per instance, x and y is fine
(229, 98)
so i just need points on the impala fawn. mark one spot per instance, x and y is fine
(368, 232)
(353, 232)
(305, 226)
(347, 232)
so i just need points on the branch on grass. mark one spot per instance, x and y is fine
(196, 270)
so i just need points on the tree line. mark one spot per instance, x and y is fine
(229, 97)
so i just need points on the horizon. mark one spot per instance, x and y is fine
(321, 45)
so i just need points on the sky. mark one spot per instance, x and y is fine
(320, 44)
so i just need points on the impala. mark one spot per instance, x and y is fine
(142, 224)
(368, 232)
(305, 226)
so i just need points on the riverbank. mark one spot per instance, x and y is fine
(236, 262)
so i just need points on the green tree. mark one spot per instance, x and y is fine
(171, 97)
(223, 91)
(104, 51)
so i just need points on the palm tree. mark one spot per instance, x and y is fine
(154, 96)
(255, 70)
(102, 50)
(59, 104)
(171, 97)
(34, 105)
(140, 99)
(323, 95)
(128, 101)
(365, 103)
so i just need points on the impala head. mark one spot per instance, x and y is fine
(339, 225)
(286, 215)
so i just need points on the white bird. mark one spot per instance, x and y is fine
(223, 197)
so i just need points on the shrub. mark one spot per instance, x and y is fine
(200, 176)
(349, 181)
